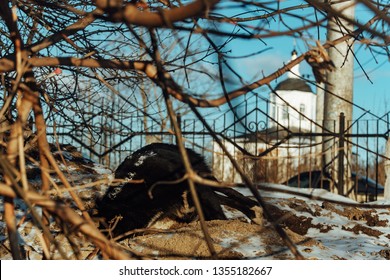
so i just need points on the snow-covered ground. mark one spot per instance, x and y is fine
(322, 225)
(320, 229)
(327, 227)
(334, 227)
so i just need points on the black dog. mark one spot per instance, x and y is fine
(163, 191)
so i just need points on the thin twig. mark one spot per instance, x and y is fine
(69, 216)
(180, 143)
(252, 188)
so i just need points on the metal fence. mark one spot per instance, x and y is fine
(345, 153)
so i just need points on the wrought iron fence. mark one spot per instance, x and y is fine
(346, 157)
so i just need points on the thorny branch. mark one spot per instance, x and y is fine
(69, 216)
(106, 43)
(150, 70)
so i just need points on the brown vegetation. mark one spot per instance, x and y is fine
(139, 46)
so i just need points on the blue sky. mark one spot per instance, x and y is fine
(371, 94)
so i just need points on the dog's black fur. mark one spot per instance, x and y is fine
(136, 205)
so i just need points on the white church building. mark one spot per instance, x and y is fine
(292, 107)
(293, 104)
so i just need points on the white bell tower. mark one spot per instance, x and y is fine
(294, 104)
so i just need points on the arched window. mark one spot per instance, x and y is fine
(285, 112)
(302, 110)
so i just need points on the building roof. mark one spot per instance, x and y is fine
(293, 84)
(276, 133)
(294, 80)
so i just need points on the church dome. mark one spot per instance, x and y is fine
(293, 102)
(293, 84)
(294, 80)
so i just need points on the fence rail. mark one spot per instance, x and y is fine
(350, 153)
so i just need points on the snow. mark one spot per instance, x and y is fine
(115, 192)
(281, 191)
(323, 225)
(380, 202)
(337, 242)
(143, 157)
(328, 227)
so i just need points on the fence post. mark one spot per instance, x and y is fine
(178, 119)
(341, 154)
(387, 170)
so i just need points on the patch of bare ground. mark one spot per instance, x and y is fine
(357, 229)
(229, 238)
(385, 253)
(301, 224)
(300, 206)
(297, 224)
(188, 242)
(274, 245)
(370, 216)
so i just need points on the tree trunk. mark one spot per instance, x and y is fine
(339, 92)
